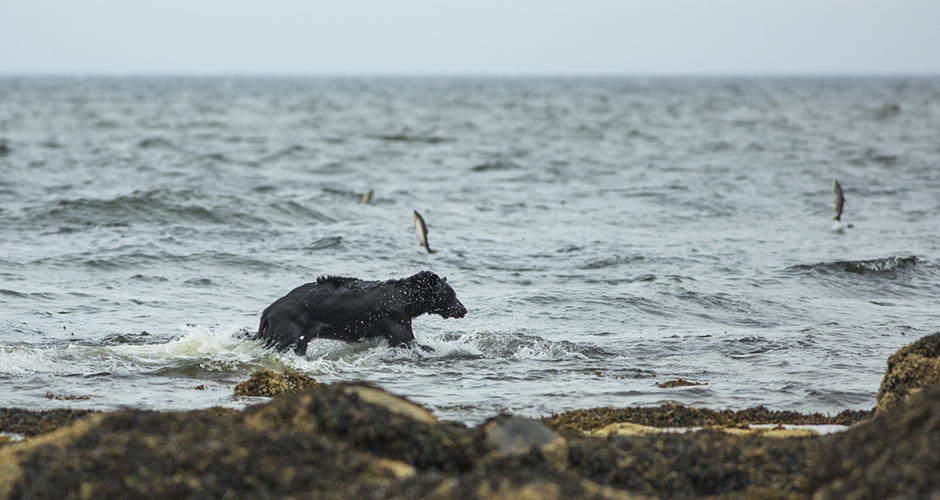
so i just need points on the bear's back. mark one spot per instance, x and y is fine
(337, 281)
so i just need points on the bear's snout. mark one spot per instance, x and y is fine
(456, 311)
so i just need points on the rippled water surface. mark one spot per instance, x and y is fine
(606, 235)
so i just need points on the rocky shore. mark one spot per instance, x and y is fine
(353, 440)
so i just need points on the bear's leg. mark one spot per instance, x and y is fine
(398, 334)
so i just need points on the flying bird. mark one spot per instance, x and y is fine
(366, 198)
(422, 229)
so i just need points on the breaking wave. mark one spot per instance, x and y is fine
(883, 267)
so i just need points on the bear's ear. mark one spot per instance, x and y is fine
(426, 277)
(444, 279)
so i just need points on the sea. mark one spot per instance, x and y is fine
(605, 234)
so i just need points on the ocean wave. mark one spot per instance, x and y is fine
(135, 257)
(196, 342)
(886, 267)
(157, 206)
(45, 296)
(324, 243)
(723, 308)
(518, 345)
(427, 139)
(333, 356)
(164, 206)
(156, 143)
(495, 165)
(21, 361)
(611, 261)
(198, 351)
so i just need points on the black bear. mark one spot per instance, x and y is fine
(351, 309)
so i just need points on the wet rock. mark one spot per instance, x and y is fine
(140, 454)
(579, 422)
(509, 435)
(563, 489)
(631, 429)
(32, 423)
(398, 430)
(912, 368)
(353, 440)
(626, 429)
(271, 384)
(514, 476)
(70, 397)
(895, 455)
(697, 464)
(392, 403)
(681, 382)
(14, 468)
(339, 441)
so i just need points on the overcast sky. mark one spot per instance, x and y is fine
(464, 37)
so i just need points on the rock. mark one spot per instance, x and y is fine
(270, 384)
(627, 429)
(353, 440)
(549, 490)
(895, 455)
(141, 454)
(631, 429)
(681, 382)
(578, 422)
(912, 368)
(399, 469)
(33, 422)
(509, 435)
(369, 420)
(708, 463)
(394, 404)
(15, 459)
(327, 442)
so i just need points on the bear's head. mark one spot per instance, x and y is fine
(438, 297)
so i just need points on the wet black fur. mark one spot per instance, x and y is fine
(351, 309)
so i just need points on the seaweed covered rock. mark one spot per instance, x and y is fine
(369, 420)
(692, 465)
(509, 435)
(353, 440)
(35, 422)
(336, 441)
(895, 455)
(142, 454)
(585, 421)
(679, 382)
(340, 441)
(271, 384)
(912, 368)
(523, 476)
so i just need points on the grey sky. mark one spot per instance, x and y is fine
(460, 37)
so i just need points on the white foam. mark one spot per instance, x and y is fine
(21, 361)
(197, 341)
(515, 345)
